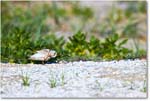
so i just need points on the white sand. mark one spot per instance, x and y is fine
(114, 79)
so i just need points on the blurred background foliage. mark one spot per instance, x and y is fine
(73, 29)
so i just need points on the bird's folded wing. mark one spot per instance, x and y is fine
(38, 56)
(43, 51)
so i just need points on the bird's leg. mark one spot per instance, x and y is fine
(43, 60)
(46, 58)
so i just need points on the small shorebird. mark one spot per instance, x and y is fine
(43, 55)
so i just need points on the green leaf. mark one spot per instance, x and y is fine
(123, 42)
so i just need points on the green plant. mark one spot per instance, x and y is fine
(52, 82)
(111, 50)
(108, 49)
(79, 48)
(23, 18)
(144, 89)
(139, 53)
(94, 46)
(84, 12)
(56, 80)
(15, 46)
(62, 79)
(57, 13)
(135, 7)
(26, 80)
(54, 42)
(77, 45)
(131, 30)
(52, 79)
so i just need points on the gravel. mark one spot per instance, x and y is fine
(82, 79)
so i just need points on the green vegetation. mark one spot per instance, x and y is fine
(111, 50)
(56, 80)
(52, 82)
(77, 45)
(62, 79)
(30, 28)
(25, 80)
(15, 46)
(144, 89)
(108, 49)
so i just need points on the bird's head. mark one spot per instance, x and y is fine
(53, 53)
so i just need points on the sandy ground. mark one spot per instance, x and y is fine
(82, 79)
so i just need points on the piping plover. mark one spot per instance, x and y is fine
(43, 55)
